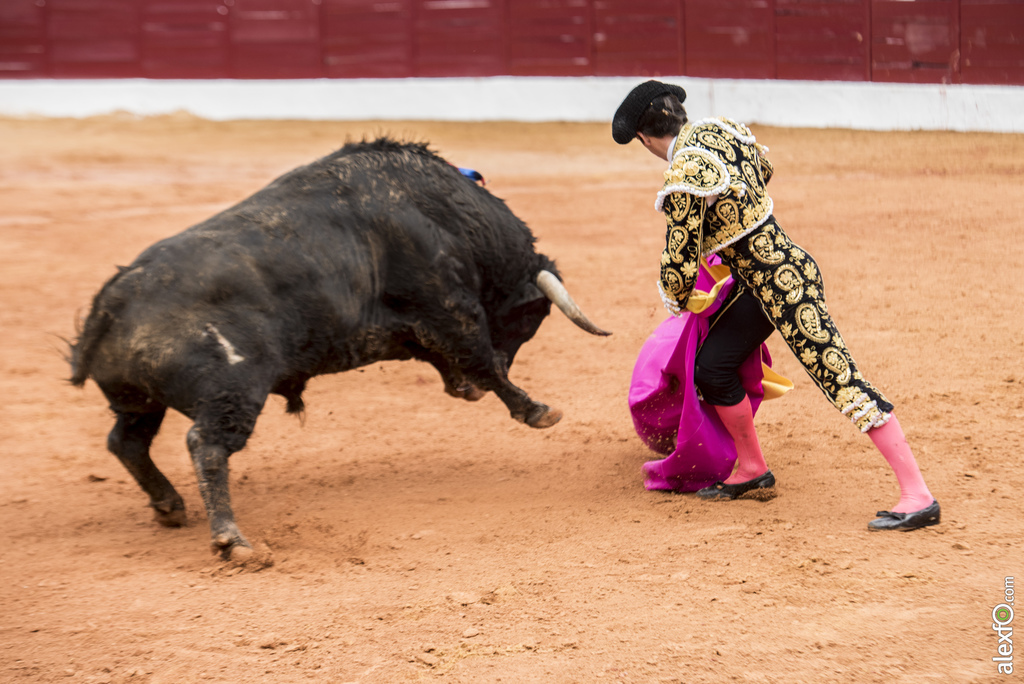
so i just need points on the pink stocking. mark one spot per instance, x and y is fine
(739, 421)
(890, 440)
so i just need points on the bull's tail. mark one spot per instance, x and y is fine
(89, 333)
(82, 349)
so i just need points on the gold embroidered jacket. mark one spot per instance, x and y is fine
(714, 194)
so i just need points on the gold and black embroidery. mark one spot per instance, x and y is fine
(695, 171)
(710, 137)
(788, 284)
(719, 159)
(679, 261)
(715, 200)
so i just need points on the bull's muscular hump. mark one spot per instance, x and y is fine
(381, 250)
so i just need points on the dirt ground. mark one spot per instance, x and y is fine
(416, 537)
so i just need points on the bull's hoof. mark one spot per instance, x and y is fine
(260, 557)
(170, 514)
(231, 546)
(543, 416)
(240, 554)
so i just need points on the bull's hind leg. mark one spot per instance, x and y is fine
(130, 440)
(221, 428)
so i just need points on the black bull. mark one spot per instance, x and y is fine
(381, 250)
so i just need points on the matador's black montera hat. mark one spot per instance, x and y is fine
(627, 116)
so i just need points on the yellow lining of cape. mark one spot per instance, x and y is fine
(774, 384)
(700, 300)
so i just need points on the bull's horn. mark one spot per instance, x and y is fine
(553, 289)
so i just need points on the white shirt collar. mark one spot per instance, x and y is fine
(672, 147)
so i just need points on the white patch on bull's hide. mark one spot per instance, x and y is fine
(229, 349)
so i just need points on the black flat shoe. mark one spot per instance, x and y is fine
(887, 520)
(720, 490)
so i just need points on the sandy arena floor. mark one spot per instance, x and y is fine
(416, 537)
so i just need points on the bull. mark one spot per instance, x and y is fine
(379, 251)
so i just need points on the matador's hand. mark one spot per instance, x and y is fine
(670, 302)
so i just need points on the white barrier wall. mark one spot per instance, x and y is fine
(813, 104)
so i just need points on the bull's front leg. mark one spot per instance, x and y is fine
(211, 466)
(525, 410)
(522, 408)
(460, 388)
(474, 360)
(455, 383)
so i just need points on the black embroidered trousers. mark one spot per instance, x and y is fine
(786, 282)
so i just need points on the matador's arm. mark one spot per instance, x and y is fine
(684, 214)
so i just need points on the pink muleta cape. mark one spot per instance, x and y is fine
(667, 413)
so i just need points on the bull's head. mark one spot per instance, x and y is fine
(516, 321)
(521, 315)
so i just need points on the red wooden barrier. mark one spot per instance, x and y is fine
(825, 40)
(459, 37)
(274, 38)
(992, 41)
(921, 41)
(730, 38)
(549, 38)
(22, 39)
(916, 41)
(185, 39)
(637, 37)
(87, 37)
(367, 38)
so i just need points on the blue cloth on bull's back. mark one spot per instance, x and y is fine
(472, 174)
